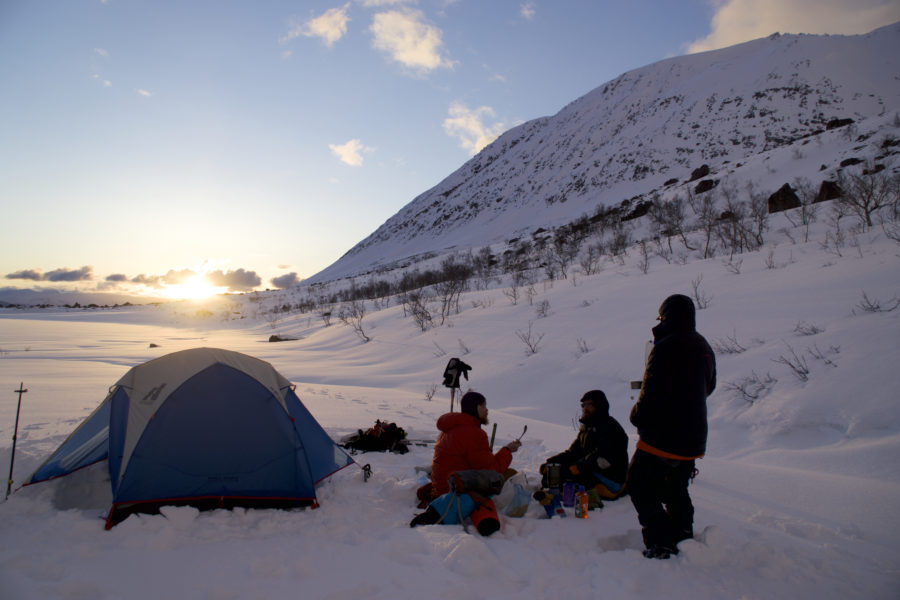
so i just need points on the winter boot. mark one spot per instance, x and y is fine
(429, 517)
(484, 516)
(660, 552)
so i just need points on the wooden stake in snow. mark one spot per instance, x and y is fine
(12, 456)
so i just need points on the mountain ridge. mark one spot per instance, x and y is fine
(643, 132)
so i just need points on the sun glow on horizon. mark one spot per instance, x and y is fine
(195, 288)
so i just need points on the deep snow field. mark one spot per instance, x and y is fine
(798, 496)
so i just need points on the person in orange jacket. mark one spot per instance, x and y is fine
(463, 445)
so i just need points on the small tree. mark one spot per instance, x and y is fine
(866, 192)
(706, 215)
(590, 259)
(352, 314)
(483, 267)
(808, 210)
(415, 303)
(668, 219)
(454, 280)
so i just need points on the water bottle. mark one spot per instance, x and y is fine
(568, 499)
(581, 503)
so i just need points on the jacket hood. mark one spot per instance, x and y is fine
(448, 421)
(676, 313)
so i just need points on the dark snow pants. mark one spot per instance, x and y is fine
(659, 491)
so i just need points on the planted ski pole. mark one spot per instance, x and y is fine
(454, 369)
(493, 434)
(12, 456)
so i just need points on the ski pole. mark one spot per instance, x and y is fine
(493, 433)
(12, 456)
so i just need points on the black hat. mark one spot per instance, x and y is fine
(678, 312)
(469, 403)
(598, 398)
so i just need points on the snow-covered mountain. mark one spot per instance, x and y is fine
(744, 112)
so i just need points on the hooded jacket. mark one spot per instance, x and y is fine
(670, 414)
(462, 445)
(599, 437)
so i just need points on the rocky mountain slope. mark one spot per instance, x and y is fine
(724, 112)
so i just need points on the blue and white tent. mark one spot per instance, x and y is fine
(205, 427)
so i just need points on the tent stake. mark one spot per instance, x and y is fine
(12, 456)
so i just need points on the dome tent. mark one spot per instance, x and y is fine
(205, 427)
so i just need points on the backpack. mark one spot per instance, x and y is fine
(382, 437)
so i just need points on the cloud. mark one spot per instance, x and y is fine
(144, 93)
(105, 82)
(330, 26)
(380, 3)
(468, 126)
(64, 274)
(236, 281)
(350, 153)
(148, 280)
(56, 275)
(737, 21)
(285, 281)
(528, 10)
(174, 277)
(101, 52)
(408, 39)
(117, 278)
(30, 274)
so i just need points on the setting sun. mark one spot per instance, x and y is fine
(195, 288)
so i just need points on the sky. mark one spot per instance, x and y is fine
(184, 147)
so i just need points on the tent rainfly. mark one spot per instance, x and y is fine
(204, 427)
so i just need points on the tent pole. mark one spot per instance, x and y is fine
(12, 456)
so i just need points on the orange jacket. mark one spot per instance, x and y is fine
(462, 445)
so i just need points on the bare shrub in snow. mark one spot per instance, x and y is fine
(797, 364)
(581, 347)
(728, 345)
(824, 356)
(352, 314)
(873, 305)
(530, 339)
(752, 388)
(701, 298)
(803, 328)
(430, 392)
(734, 266)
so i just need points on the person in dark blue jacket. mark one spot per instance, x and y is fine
(598, 458)
(670, 416)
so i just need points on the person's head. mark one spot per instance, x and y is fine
(473, 403)
(594, 403)
(676, 313)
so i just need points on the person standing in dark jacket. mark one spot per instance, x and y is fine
(598, 458)
(670, 416)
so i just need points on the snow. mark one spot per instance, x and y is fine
(797, 497)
